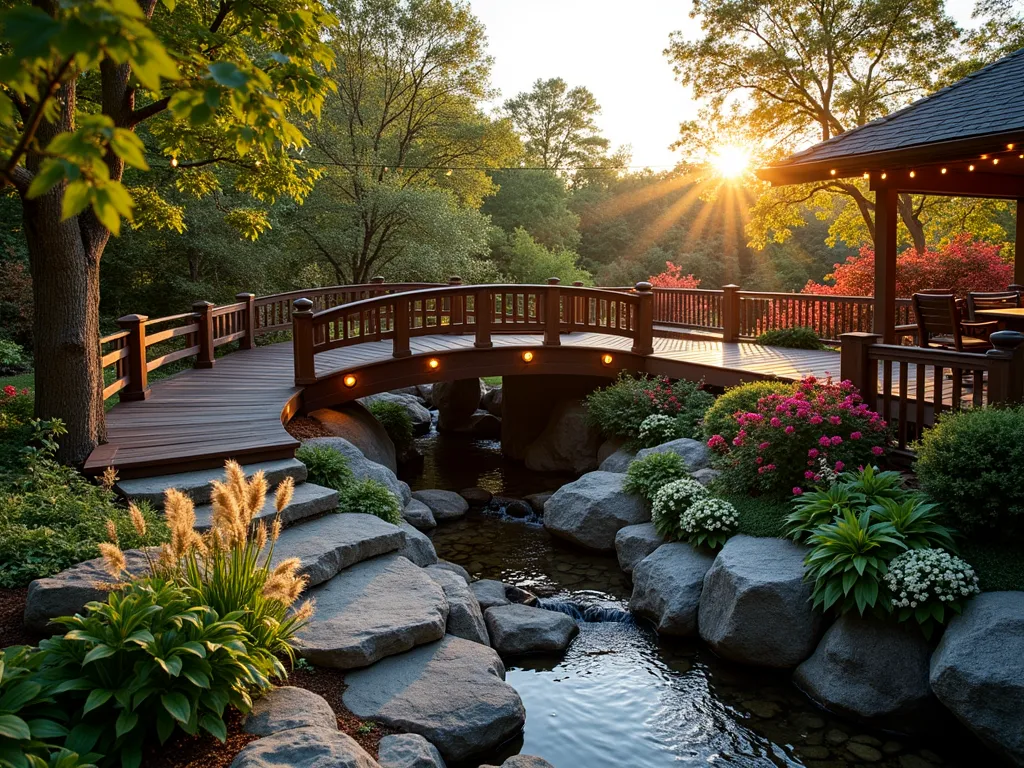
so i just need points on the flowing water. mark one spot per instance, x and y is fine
(621, 697)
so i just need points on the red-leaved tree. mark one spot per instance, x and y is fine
(964, 265)
(673, 277)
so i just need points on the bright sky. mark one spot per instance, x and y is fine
(614, 48)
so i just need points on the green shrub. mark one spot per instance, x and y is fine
(791, 338)
(924, 584)
(709, 522)
(671, 502)
(326, 466)
(658, 429)
(396, 422)
(646, 476)
(619, 409)
(12, 358)
(720, 418)
(972, 463)
(371, 498)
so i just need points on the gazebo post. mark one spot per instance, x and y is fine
(886, 217)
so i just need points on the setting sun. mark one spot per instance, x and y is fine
(730, 160)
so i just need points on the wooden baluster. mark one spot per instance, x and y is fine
(552, 312)
(457, 308)
(730, 313)
(401, 346)
(483, 306)
(248, 320)
(204, 312)
(302, 342)
(573, 305)
(643, 333)
(1006, 368)
(904, 394)
(137, 387)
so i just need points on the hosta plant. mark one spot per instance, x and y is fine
(646, 476)
(371, 498)
(818, 507)
(928, 585)
(709, 522)
(671, 502)
(917, 523)
(657, 429)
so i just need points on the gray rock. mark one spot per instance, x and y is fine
(308, 500)
(618, 461)
(445, 505)
(520, 629)
(667, 585)
(479, 424)
(413, 390)
(357, 425)
(374, 609)
(635, 542)
(756, 606)
(869, 669)
(491, 401)
(451, 692)
(406, 492)
(694, 452)
(455, 568)
(362, 467)
(418, 547)
(518, 595)
(610, 446)
(567, 444)
(456, 401)
(418, 514)
(426, 392)
(67, 592)
(288, 707)
(465, 618)
(419, 415)
(706, 476)
(197, 485)
(522, 761)
(512, 507)
(476, 496)
(591, 510)
(489, 593)
(331, 543)
(977, 671)
(304, 748)
(538, 500)
(408, 750)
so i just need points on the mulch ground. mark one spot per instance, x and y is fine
(303, 428)
(12, 613)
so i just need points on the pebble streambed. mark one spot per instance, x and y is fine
(621, 697)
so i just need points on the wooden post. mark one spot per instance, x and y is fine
(138, 381)
(377, 279)
(886, 218)
(302, 342)
(457, 317)
(249, 319)
(552, 313)
(643, 332)
(204, 318)
(856, 365)
(730, 312)
(1006, 371)
(484, 307)
(1018, 259)
(401, 341)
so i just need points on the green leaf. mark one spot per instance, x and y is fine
(19, 695)
(228, 74)
(126, 722)
(214, 726)
(49, 175)
(97, 653)
(76, 199)
(13, 727)
(47, 729)
(83, 737)
(129, 148)
(177, 705)
(97, 698)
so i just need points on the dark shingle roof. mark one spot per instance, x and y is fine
(990, 101)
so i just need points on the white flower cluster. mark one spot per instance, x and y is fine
(677, 496)
(918, 576)
(710, 514)
(658, 429)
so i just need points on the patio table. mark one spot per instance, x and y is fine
(1012, 318)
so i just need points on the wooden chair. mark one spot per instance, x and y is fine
(1000, 300)
(941, 324)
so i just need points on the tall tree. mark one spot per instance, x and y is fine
(558, 125)
(800, 70)
(214, 82)
(537, 201)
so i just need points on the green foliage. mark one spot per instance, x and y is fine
(619, 409)
(927, 584)
(720, 418)
(371, 498)
(325, 465)
(646, 476)
(761, 516)
(972, 463)
(791, 338)
(866, 488)
(536, 201)
(657, 429)
(671, 502)
(527, 261)
(916, 522)
(12, 358)
(999, 565)
(820, 506)
(709, 522)
(396, 422)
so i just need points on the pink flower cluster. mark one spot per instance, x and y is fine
(661, 397)
(12, 392)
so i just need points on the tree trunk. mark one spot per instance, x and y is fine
(912, 223)
(66, 296)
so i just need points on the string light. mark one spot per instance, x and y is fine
(833, 171)
(943, 171)
(884, 175)
(970, 167)
(174, 162)
(912, 174)
(1009, 146)
(984, 157)
(867, 175)
(995, 161)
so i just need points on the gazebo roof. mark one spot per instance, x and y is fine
(982, 113)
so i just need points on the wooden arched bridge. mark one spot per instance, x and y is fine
(296, 352)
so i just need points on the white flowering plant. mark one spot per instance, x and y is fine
(927, 584)
(657, 429)
(709, 522)
(671, 502)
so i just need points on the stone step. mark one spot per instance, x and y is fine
(307, 501)
(197, 484)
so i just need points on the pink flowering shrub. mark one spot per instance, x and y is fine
(782, 444)
(15, 407)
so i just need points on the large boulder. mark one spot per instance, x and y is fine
(456, 402)
(458, 570)
(408, 750)
(418, 515)
(870, 669)
(614, 455)
(357, 425)
(520, 629)
(667, 585)
(567, 444)
(465, 618)
(635, 542)
(374, 609)
(288, 707)
(365, 468)
(304, 748)
(445, 505)
(694, 452)
(491, 401)
(591, 510)
(452, 692)
(756, 606)
(412, 404)
(418, 547)
(977, 671)
(489, 593)
(538, 500)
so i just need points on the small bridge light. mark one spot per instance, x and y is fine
(434, 363)
(349, 380)
(527, 356)
(606, 359)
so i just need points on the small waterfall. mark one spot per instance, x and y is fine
(586, 613)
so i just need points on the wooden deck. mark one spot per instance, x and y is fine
(236, 409)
